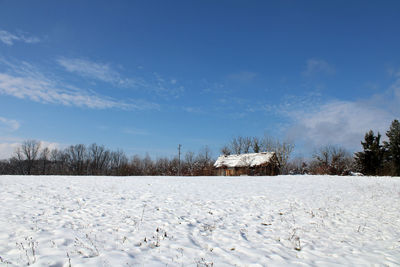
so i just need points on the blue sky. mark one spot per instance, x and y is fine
(146, 76)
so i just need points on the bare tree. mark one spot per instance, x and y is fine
(204, 161)
(136, 166)
(225, 150)
(148, 165)
(44, 158)
(236, 145)
(26, 154)
(283, 150)
(190, 163)
(59, 162)
(77, 159)
(246, 144)
(256, 143)
(162, 166)
(118, 163)
(331, 160)
(99, 158)
(298, 165)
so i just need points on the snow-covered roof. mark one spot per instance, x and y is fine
(244, 160)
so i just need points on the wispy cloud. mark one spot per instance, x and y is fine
(45, 91)
(153, 83)
(9, 38)
(194, 110)
(213, 87)
(24, 81)
(318, 66)
(99, 71)
(165, 87)
(8, 124)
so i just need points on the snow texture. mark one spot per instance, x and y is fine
(199, 221)
(244, 160)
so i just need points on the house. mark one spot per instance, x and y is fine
(264, 163)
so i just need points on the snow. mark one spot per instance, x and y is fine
(243, 160)
(199, 221)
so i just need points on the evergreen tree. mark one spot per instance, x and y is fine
(393, 147)
(370, 161)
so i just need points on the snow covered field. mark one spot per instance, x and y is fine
(200, 221)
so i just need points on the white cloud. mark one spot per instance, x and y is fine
(8, 124)
(318, 66)
(338, 123)
(26, 82)
(9, 38)
(50, 145)
(315, 122)
(7, 150)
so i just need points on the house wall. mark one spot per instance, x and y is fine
(267, 170)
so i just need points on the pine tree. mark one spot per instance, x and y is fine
(370, 161)
(393, 147)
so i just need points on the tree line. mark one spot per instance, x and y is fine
(30, 158)
(377, 158)
(33, 159)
